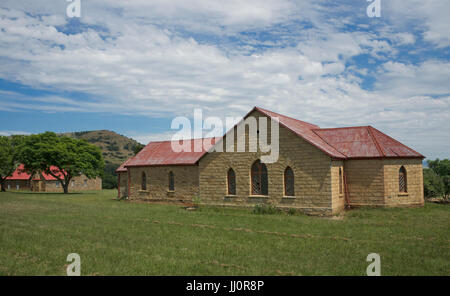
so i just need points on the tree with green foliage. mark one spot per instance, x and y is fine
(437, 178)
(61, 157)
(110, 177)
(7, 163)
(137, 148)
(432, 184)
(8, 157)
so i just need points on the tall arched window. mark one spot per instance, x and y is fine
(259, 178)
(144, 181)
(231, 180)
(288, 182)
(402, 181)
(171, 181)
(340, 181)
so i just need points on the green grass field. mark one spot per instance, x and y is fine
(39, 230)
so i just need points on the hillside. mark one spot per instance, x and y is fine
(115, 149)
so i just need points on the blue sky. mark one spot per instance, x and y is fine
(132, 66)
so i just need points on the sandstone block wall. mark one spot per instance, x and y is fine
(17, 185)
(311, 172)
(365, 179)
(414, 179)
(375, 182)
(122, 184)
(186, 182)
(370, 182)
(80, 183)
(338, 198)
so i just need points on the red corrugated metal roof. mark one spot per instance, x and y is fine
(122, 167)
(341, 143)
(20, 174)
(391, 147)
(364, 142)
(304, 130)
(161, 153)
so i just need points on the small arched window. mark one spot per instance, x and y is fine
(231, 180)
(402, 180)
(340, 181)
(259, 178)
(288, 182)
(171, 181)
(144, 181)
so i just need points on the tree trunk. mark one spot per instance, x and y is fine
(66, 188)
(2, 185)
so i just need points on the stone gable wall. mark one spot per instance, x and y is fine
(311, 168)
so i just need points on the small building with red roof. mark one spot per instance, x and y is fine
(318, 170)
(21, 180)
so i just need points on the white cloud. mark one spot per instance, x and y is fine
(432, 15)
(10, 133)
(407, 80)
(162, 58)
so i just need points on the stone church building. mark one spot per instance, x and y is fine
(318, 171)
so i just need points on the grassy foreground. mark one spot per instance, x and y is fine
(39, 230)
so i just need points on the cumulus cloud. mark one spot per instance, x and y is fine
(165, 58)
(431, 15)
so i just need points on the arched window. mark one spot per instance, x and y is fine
(144, 181)
(171, 181)
(231, 180)
(340, 181)
(402, 181)
(259, 178)
(288, 182)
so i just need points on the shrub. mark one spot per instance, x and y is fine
(291, 211)
(265, 209)
(196, 200)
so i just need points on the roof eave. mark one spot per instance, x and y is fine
(161, 164)
(384, 157)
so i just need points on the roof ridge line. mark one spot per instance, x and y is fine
(314, 131)
(377, 145)
(265, 110)
(344, 127)
(162, 141)
(397, 141)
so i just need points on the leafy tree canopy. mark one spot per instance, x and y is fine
(60, 156)
(432, 184)
(8, 157)
(437, 178)
(137, 148)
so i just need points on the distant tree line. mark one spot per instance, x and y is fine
(59, 156)
(436, 178)
(110, 176)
